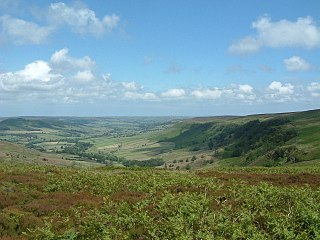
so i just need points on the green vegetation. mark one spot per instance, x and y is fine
(161, 178)
(46, 202)
(267, 140)
(263, 140)
(153, 162)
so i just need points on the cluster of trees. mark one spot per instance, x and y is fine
(79, 149)
(241, 139)
(76, 149)
(286, 154)
(153, 162)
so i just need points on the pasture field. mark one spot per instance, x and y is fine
(50, 202)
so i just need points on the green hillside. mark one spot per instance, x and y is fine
(16, 154)
(268, 139)
(255, 140)
(31, 124)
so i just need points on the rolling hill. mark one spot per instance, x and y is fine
(267, 140)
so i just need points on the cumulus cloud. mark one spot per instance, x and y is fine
(303, 32)
(131, 86)
(47, 79)
(296, 63)
(77, 82)
(36, 76)
(246, 45)
(314, 89)
(280, 92)
(174, 93)
(81, 20)
(141, 96)
(65, 78)
(23, 32)
(245, 88)
(84, 76)
(237, 92)
(63, 62)
(233, 92)
(207, 93)
(38, 70)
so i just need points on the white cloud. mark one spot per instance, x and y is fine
(296, 63)
(36, 76)
(67, 79)
(84, 76)
(302, 33)
(314, 89)
(47, 81)
(280, 88)
(207, 93)
(280, 92)
(245, 46)
(81, 20)
(233, 92)
(111, 21)
(131, 86)
(245, 89)
(141, 96)
(63, 62)
(38, 70)
(174, 93)
(240, 92)
(23, 32)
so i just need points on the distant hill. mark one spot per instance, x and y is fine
(265, 139)
(23, 124)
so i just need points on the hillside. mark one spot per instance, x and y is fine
(18, 154)
(267, 140)
(189, 143)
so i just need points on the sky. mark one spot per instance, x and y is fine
(150, 58)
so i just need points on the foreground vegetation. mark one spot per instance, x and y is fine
(49, 202)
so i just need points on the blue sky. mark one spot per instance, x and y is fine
(100, 58)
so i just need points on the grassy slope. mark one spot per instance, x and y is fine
(196, 133)
(15, 153)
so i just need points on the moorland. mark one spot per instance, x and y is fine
(229, 177)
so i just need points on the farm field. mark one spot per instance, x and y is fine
(50, 202)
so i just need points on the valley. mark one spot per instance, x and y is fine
(257, 140)
(231, 177)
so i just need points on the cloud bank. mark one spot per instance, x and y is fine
(81, 20)
(302, 33)
(66, 79)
